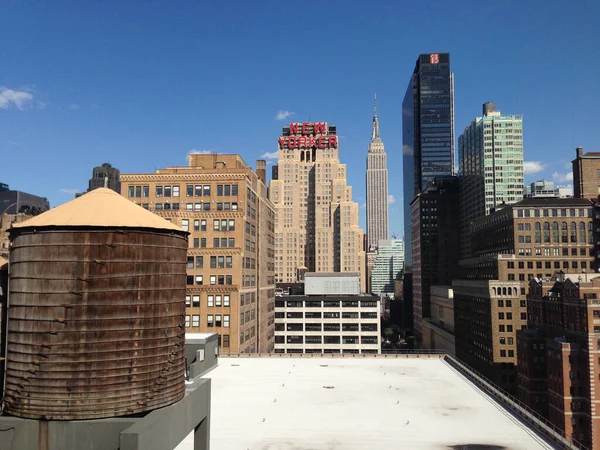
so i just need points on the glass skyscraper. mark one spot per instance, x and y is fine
(427, 131)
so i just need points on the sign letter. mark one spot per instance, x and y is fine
(319, 127)
(293, 128)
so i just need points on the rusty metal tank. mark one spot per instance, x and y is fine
(96, 317)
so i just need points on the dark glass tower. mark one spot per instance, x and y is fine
(427, 131)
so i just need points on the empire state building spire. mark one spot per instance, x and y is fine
(377, 187)
(375, 136)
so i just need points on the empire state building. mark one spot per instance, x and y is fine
(377, 187)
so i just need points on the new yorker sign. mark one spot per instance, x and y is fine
(308, 135)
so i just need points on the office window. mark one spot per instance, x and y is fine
(213, 279)
(228, 279)
(159, 206)
(206, 190)
(216, 225)
(190, 280)
(213, 262)
(196, 225)
(223, 242)
(503, 353)
(197, 206)
(199, 262)
(221, 279)
(190, 262)
(131, 191)
(195, 320)
(203, 242)
(219, 206)
(196, 242)
(226, 300)
(224, 225)
(203, 225)
(196, 301)
(231, 242)
(226, 340)
(159, 191)
(228, 262)
(167, 191)
(188, 300)
(221, 262)
(219, 190)
(189, 190)
(146, 191)
(234, 189)
(226, 320)
(198, 191)
(211, 300)
(185, 224)
(189, 206)
(218, 300)
(218, 321)
(199, 279)
(187, 321)
(175, 191)
(210, 320)
(216, 242)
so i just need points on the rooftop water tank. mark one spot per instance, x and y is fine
(96, 317)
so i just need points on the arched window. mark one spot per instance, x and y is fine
(494, 291)
(564, 233)
(555, 232)
(538, 233)
(546, 232)
(509, 291)
(573, 232)
(503, 291)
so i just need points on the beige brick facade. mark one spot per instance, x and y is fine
(317, 222)
(223, 204)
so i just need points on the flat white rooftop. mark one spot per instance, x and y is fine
(273, 403)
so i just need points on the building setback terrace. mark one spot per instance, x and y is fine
(355, 403)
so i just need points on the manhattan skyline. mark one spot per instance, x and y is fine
(142, 86)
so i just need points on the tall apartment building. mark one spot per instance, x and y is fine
(388, 266)
(586, 174)
(316, 227)
(223, 204)
(490, 153)
(530, 239)
(377, 188)
(105, 174)
(331, 317)
(559, 354)
(435, 242)
(427, 132)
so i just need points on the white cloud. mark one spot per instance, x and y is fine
(531, 167)
(272, 155)
(18, 99)
(391, 199)
(73, 106)
(282, 115)
(562, 177)
(69, 191)
(196, 151)
(364, 205)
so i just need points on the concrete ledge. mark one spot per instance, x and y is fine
(161, 429)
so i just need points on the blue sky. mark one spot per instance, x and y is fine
(139, 84)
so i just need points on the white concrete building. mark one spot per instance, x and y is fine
(330, 318)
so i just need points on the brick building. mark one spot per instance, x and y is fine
(530, 239)
(586, 174)
(559, 355)
(223, 204)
